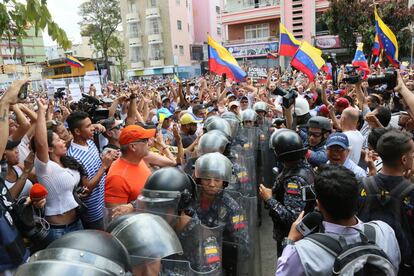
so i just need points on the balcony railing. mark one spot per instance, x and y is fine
(135, 41)
(137, 65)
(156, 62)
(154, 38)
(245, 5)
(132, 17)
(152, 13)
(248, 41)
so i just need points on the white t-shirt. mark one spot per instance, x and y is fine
(27, 186)
(59, 183)
(356, 140)
(23, 148)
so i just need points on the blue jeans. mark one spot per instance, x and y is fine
(55, 232)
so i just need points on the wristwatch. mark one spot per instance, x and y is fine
(286, 241)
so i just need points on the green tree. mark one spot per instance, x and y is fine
(16, 18)
(117, 51)
(359, 20)
(100, 19)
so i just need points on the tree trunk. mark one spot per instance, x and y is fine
(108, 70)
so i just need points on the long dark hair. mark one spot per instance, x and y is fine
(67, 161)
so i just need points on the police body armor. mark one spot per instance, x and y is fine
(304, 172)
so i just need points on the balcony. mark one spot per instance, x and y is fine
(154, 38)
(132, 17)
(135, 41)
(156, 62)
(244, 13)
(240, 6)
(250, 41)
(152, 13)
(137, 65)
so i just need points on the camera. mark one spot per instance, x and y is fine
(60, 93)
(352, 76)
(90, 105)
(288, 96)
(389, 78)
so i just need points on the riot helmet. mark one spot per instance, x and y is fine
(165, 189)
(233, 121)
(213, 166)
(260, 106)
(84, 252)
(212, 141)
(320, 122)
(147, 237)
(287, 145)
(219, 123)
(248, 115)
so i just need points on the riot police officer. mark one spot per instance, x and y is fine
(168, 192)
(319, 128)
(293, 184)
(216, 206)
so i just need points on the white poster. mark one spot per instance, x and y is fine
(92, 77)
(75, 92)
(50, 89)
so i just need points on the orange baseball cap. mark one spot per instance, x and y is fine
(134, 133)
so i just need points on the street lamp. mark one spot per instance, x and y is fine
(410, 28)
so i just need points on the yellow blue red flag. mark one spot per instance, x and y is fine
(387, 40)
(72, 61)
(220, 61)
(288, 44)
(307, 60)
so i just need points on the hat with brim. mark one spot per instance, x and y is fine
(338, 139)
(134, 133)
(12, 144)
(189, 118)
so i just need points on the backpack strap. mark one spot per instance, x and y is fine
(369, 232)
(370, 185)
(326, 242)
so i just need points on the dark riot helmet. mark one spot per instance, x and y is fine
(287, 145)
(168, 184)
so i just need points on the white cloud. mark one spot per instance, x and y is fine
(65, 14)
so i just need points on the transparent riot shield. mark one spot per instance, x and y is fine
(201, 245)
(267, 156)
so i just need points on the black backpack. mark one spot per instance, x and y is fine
(363, 258)
(387, 207)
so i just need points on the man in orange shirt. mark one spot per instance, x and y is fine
(128, 174)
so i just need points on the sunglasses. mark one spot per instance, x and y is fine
(140, 141)
(315, 134)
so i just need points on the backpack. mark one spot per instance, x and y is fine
(361, 258)
(387, 208)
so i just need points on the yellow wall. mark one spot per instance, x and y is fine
(76, 71)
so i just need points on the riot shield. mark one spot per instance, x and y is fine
(267, 156)
(201, 245)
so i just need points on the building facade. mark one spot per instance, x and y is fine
(158, 36)
(29, 50)
(251, 27)
(84, 49)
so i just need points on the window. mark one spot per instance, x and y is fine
(154, 26)
(218, 30)
(135, 54)
(152, 3)
(132, 7)
(179, 25)
(177, 2)
(133, 30)
(217, 9)
(155, 51)
(181, 50)
(256, 32)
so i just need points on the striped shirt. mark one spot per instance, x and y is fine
(90, 159)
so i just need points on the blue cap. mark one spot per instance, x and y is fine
(338, 139)
(164, 113)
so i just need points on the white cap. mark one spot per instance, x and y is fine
(301, 106)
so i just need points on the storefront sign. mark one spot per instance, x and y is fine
(328, 42)
(252, 49)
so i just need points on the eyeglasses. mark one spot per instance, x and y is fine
(315, 134)
(140, 141)
(118, 127)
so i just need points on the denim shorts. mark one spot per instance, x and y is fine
(57, 231)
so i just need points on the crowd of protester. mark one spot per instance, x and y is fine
(71, 162)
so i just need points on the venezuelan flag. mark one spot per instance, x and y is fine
(288, 44)
(360, 60)
(387, 40)
(72, 61)
(220, 61)
(272, 56)
(307, 60)
(176, 79)
(378, 60)
(376, 47)
(327, 68)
